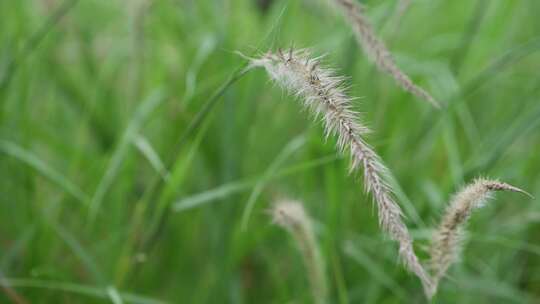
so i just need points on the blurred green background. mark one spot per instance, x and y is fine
(127, 157)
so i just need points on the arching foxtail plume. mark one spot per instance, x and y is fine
(446, 241)
(322, 92)
(291, 216)
(375, 48)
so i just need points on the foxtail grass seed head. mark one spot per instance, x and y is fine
(446, 241)
(291, 216)
(322, 92)
(375, 48)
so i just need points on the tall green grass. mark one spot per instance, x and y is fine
(131, 146)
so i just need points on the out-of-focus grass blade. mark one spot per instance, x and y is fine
(339, 278)
(489, 73)
(507, 59)
(490, 156)
(435, 197)
(140, 116)
(151, 155)
(295, 144)
(471, 31)
(87, 260)
(233, 78)
(34, 41)
(231, 188)
(10, 292)
(15, 250)
(454, 159)
(212, 195)
(179, 172)
(86, 290)
(506, 242)
(71, 85)
(41, 167)
(114, 295)
(404, 200)
(207, 47)
(496, 289)
(209, 105)
(181, 163)
(376, 272)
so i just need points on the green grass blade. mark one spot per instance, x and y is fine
(80, 289)
(114, 295)
(9, 256)
(34, 41)
(87, 260)
(225, 190)
(42, 168)
(151, 155)
(140, 116)
(294, 145)
(377, 273)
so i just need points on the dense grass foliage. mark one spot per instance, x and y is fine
(132, 142)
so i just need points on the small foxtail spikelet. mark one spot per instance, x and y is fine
(323, 93)
(291, 216)
(446, 241)
(376, 50)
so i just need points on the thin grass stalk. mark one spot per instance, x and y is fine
(34, 41)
